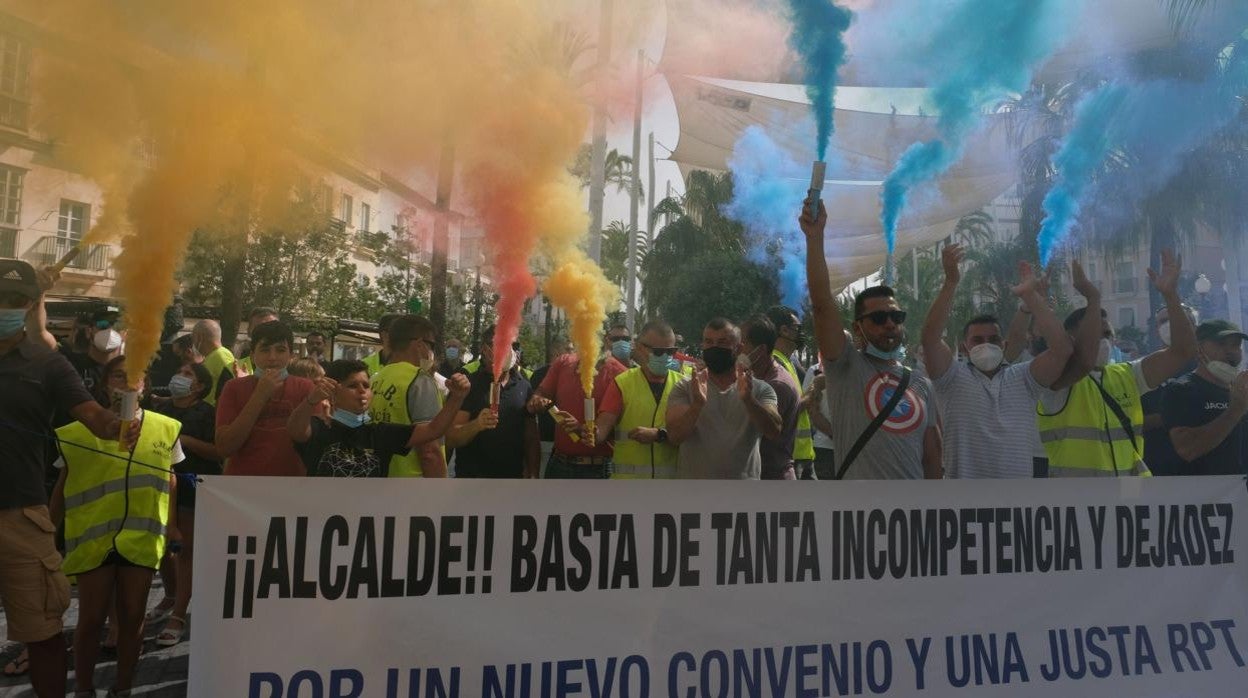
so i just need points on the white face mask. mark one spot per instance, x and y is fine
(986, 357)
(107, 340)
(509, 360)
(1103, 352)
(426, 365)
(1163, 331)
(1222, 371)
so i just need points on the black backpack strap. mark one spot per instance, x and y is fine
(1118, 412)
(876, 423)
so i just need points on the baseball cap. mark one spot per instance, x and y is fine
(18, 276)
(1211, 330)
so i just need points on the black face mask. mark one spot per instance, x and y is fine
(718, 359)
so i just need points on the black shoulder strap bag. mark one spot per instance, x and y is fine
(1125, 421)
(876, 423)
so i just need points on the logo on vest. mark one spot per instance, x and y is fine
(1216, 405)
(909, 413)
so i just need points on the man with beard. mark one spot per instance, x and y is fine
(864, 375)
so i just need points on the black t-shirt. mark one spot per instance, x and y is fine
(199, 421)
(336, 450)
(35, 382)
(497, 452)
(92, 374)
(1192, 401)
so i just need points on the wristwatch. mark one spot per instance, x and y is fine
(662, 435)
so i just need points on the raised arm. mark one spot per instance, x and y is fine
(1168, 362)
(299, 424)
(829, 330)
(1046, 368)
(936, 354)
(434, 429)
(1087, 335)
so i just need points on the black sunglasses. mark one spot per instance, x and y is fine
(659, 351)
(880, 317)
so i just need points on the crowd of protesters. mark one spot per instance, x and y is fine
(1043, 397)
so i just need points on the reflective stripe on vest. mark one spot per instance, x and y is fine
(390, 389)
(217, 362)
(637, 460)
(113, 501)
(1086, 439)
(804, 441)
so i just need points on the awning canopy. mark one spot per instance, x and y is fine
(869, 138)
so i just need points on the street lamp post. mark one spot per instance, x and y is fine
(1203, 285)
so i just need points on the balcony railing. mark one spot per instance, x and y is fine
(95, 259)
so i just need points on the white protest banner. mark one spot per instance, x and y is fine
(519, 589)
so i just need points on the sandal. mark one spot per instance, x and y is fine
(170, 636)
(20, 666)
(161, 611)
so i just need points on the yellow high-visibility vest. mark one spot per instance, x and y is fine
(1086, 439)
(217, 362)
(389, 406)
(373, 362)
(113, 500)
(804, 441)
(637, 461)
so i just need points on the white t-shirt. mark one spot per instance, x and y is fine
(989, 424)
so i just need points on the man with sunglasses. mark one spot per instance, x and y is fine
(406, 391)
(863, 375)
(988, 407)
(633, 413)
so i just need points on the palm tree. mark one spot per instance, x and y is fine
(697, 227)
(618, 169)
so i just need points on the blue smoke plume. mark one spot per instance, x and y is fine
(818, 28)
(982, 51)
(1151, 127)
(1086, 147)
(767, 194)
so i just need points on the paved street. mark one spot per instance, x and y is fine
(162, 671)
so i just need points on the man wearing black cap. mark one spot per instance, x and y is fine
(35, 381)
(1204, 410)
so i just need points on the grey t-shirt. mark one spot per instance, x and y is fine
(857, 389)
(724, 442)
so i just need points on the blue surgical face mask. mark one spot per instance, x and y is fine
(12, 320)
(284, 373)
(350, 419)
(452, 353)
(180, 386)
(622, 349)
(659, 365)
(898, 354)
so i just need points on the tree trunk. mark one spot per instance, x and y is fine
(441, 237)
(232, 294)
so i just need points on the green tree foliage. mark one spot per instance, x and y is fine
(697, 269)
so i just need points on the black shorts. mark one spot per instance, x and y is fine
(116, 558)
